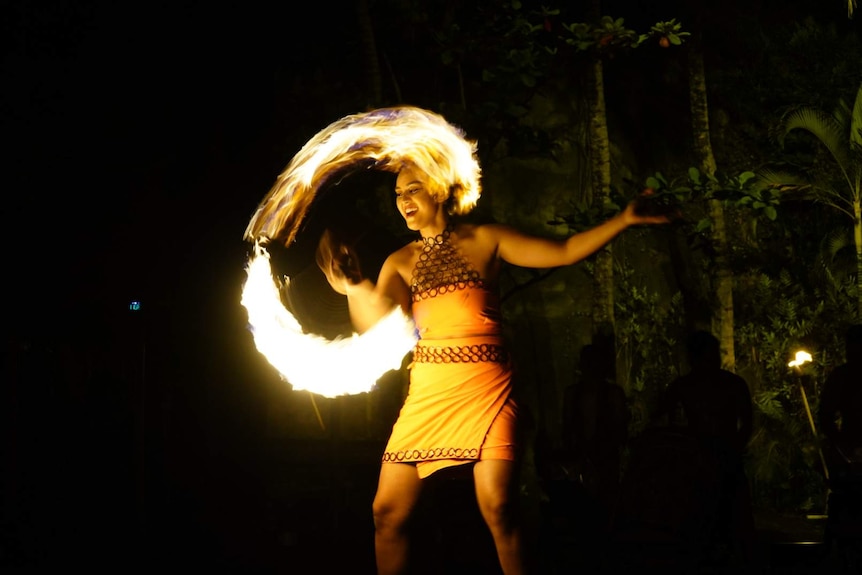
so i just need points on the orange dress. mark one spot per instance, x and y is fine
(458, 408)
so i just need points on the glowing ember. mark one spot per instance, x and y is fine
(802, 357)
(310, 362)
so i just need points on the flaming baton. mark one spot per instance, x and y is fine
(327, 367)
(385, 139)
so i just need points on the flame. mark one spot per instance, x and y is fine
(385, 139)
(310, 362)
(802, 357)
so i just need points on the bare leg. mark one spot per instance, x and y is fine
(497, 495)
(398, 491)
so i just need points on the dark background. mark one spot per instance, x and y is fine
(138, 140)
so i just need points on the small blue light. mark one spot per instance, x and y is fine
(135, 305)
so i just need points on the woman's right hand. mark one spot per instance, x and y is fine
(338, 262)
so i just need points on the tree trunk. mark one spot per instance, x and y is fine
(722, 323)
(600, 164)
(602, 313)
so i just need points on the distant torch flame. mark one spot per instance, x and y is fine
(383, 139)
(802, 357)
(310, 362)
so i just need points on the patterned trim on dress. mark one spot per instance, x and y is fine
(461, 354)
(411, 455)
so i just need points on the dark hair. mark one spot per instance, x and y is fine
(854, 333)
(704, 349)
(700, 342)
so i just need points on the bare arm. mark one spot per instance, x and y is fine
(524, 250)
(369, 302)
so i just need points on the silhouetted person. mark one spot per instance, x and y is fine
(595, 425)
(715, 406)
(840, 410)
(840, 416)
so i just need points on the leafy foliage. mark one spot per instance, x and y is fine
(776, 317)
(787, 290)
(741, 191)
(648, 330)
(835, 182)
(507, 53)
(780, 304)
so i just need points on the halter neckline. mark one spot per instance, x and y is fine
(439, 238)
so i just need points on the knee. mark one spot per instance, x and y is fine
(500, 513)
(388, 516)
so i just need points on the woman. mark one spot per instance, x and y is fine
(459, 408)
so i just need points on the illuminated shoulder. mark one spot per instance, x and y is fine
(492, 233)
(404, 257)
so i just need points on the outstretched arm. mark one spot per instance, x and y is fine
(524, 250)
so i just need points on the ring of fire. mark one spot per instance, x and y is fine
(386, 139)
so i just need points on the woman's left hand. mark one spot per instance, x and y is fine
(643, 210)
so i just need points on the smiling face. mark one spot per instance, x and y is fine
(419, 207)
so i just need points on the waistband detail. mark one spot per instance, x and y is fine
(476, 353)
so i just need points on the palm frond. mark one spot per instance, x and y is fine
(829, 196)
(832, 243)
(824, 127)
(769, 178)
(786, 184)
(856, 120)
(842, 113)
(835, 241)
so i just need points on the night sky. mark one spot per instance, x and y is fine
(137, 141)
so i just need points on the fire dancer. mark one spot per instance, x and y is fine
(459, 409)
